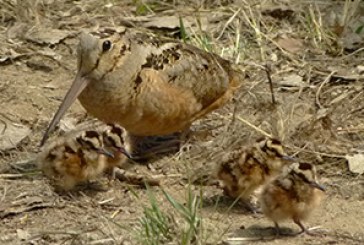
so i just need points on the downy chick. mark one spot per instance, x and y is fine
(113, 139)
(292, 195)
(244, 170)
(73, 159)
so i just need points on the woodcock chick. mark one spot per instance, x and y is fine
(243, 170)
(117, 141)
(149, 85)
(113, 138)
(292, 195)
(74, 158)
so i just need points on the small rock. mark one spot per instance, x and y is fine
(356, 163)
(292, 80)
(360, 69)
(22, 234)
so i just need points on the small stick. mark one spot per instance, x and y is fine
(267, 71)
(254, 127)
(136, 179)
(261, 131)
(317, 97)
(15, 176)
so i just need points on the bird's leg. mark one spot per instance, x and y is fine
(110, 174)
(277, 229)
(299, 223)
(95, 185)
(251, 207)
(304, 229)
(185, 134)
(142, 148)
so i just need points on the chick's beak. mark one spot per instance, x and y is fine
(289, 158)
(105, 152)
(122, 150)
(317, 186)
(78, 85)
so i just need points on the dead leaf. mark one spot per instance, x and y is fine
(352, 41)
(11, 133)
(136, 179)
(17, 30)
(22, 234)
(9, 55)
(47, 36)
(50, 53)
(356, 163)
(136, 18)
(322, 113)
(163, 22)
(344, 73)
(51, 85)
(36, 63)
(68, 123)
(292, 45)
(280, 12)
(292, 80)
(23, 205)
(341, 97)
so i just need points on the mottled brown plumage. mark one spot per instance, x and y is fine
(147, 84)
(292, 195)
(73, 158)
(121, 144)
(114, 141)
(245, 169)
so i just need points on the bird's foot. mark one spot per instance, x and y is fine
(149, 147)
(251, 207)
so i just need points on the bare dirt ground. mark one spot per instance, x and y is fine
(314, 50)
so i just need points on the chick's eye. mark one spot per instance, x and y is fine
(106, 45)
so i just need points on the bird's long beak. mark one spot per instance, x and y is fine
(289, 158)
(78, 85)
(316, 185)
(105, 152)
(122, 150)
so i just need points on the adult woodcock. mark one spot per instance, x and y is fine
(149, 85)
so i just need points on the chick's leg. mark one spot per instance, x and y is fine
(278, 230)
(299, 223)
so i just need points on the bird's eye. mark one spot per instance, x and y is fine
(106, 45)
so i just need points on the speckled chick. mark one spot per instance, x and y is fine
(245, 169)
(114, 141)
(74, 158)
(292, 195)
